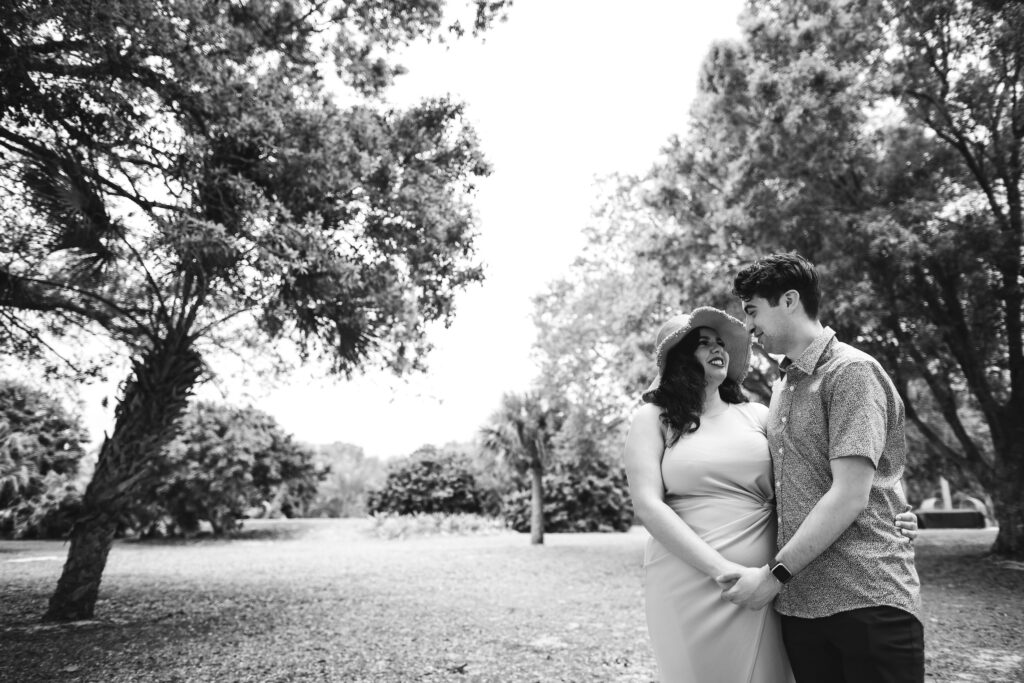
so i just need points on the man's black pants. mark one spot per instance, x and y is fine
(869, 645)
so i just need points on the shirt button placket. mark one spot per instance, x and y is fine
(778, 489)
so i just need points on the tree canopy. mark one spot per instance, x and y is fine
(176, 176)
(181, 166)
(882, 140)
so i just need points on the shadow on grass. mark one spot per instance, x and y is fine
(261, 530)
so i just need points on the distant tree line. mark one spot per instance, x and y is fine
(229, 464)
(226, 464)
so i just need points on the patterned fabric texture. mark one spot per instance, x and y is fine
(837, 402)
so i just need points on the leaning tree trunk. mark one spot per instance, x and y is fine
(1008, 492)
(537, 506)
(154, 399)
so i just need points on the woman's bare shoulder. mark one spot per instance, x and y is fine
(648, 413)
(756, 408)
(758, 412)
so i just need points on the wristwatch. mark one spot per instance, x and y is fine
(780, 572)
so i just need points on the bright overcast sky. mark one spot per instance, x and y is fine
(565, 91)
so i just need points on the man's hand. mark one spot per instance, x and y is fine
(750, 587)
(906, 522)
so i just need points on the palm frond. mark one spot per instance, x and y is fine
(62, 193)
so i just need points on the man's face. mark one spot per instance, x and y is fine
(768, 324)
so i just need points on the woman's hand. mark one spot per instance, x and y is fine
(751, 587)
(906, 522)
(728, 574)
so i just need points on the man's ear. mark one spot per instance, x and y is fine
(791, 299)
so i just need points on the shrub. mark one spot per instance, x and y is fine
(224, 462)
(428, 481)
(40, 452)
(391, 526)
(493, 479)
(592, 495)
(49, 514)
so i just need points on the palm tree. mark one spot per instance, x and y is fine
(520, 433)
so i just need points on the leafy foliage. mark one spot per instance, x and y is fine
(914, 214)
(40, 450)
(179, 177)
(596, 324)
(428, 481)
(50, 514)
(176, 168)
(225, 461)
(348, 475)
(520, 434)
(591, 495)
(882, 140)
(492, 478)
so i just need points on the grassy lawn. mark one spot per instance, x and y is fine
(320, 600)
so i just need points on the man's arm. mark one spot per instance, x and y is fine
(755, 587)
(833, 514)
(857, 415)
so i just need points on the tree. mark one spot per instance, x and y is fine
(348, 475)
(580, 496)
(640, 265)
(224, 461)
(175, 177)
(595, 324)
(882, 139)
(521, 433)
(40, 450)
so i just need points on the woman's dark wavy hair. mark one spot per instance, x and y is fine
(680, 394)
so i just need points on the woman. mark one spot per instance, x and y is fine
(700, 476)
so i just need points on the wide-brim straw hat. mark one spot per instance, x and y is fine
(731, 330)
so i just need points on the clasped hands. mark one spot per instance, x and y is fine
(750, 587)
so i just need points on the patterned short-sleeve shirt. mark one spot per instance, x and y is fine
(837, 402)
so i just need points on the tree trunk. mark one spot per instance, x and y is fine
(1008, 495)
(79, 584)
(155, 397)
(537, 506)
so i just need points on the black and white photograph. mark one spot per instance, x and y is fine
(511, 341)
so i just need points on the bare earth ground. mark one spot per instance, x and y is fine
(319, 600)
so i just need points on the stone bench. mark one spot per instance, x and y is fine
(950, 519)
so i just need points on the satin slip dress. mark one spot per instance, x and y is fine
(719, 481)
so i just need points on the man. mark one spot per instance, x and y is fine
(847, 588)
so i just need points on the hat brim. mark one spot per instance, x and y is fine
(733, 334)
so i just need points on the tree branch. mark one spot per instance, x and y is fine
(939, 387)
(15, 294)
(35, 336)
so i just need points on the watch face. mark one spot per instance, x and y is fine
(781, 573)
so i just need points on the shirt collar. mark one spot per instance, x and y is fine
(811, 356)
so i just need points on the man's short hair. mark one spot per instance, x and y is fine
(772, 276)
